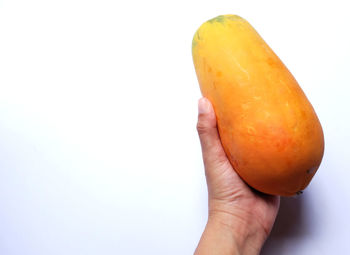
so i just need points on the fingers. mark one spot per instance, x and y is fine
(213, 153)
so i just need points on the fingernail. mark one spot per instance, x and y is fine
(203, 106)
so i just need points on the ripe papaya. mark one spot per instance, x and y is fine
(267, 126)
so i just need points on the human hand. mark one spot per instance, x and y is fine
(240, 218)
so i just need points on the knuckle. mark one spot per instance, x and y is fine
(201, 128)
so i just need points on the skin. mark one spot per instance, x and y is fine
(240, 218)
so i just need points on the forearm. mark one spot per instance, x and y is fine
(227, 235)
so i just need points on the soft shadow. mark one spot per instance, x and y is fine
(291, 224)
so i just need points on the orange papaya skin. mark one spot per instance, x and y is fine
(268, 128)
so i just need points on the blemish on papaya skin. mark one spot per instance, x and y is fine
(312, 170)
(220, 19)
(245, 106)
(241, 68)
(299, 192)
(195, 40)
(251, 130)
(267, 114)
(223, 18)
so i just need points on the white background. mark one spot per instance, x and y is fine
(98, 105)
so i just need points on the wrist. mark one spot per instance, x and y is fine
(247, 235)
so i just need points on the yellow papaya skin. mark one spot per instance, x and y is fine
(268, 128)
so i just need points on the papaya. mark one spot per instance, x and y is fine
(268, 128)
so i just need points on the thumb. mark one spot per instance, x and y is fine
(213, 153)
